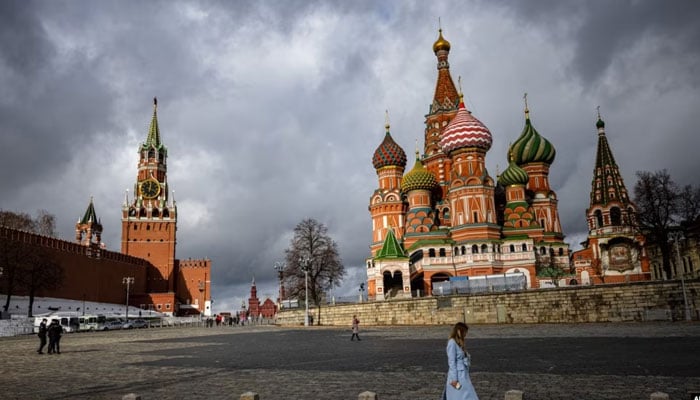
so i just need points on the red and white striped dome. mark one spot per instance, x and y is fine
(465, 131)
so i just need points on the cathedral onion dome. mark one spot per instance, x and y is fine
(513, 175)
(389, 153)
(441, 43)
(531, 147)
(465, 131)
(418, 178)
(600, 123)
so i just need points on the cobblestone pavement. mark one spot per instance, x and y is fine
(322, 363)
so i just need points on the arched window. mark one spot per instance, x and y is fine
(476, 217)
(512, 248)
(543, 251)
(464, 250)
(524, 247)
(484, 248)
(431, 252)
(615, 216)
(561, 251)
(598, 219)
(456, 251)
(475, 249)
(442, 252)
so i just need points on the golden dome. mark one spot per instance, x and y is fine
(441, 43)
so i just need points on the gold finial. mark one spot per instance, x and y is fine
(459, 83)
(417, 152)
(386, 120)
(439, 24)
(155, 101)
(598, 108)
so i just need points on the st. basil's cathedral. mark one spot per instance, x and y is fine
(447, 218)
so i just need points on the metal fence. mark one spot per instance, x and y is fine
(481, 284)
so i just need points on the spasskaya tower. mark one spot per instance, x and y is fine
(149, 218)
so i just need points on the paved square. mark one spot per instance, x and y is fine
(592, 361)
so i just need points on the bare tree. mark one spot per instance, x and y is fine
(15, 256)
(311, 241)
(689, 204)
(662, 205)
(39, 272)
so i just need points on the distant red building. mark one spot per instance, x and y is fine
(267, 309)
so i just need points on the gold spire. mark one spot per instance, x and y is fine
(527, 110)
(441, 43)
(386, 120)
(598, 109)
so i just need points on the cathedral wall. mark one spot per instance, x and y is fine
(606, 303)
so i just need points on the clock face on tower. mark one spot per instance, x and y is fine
(150, 188)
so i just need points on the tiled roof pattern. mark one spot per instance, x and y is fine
(389, 153)
(465, 131)
(418, 178)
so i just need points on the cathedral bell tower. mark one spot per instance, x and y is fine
(149, 218)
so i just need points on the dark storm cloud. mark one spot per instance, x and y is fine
(601, 31)
(271, 110)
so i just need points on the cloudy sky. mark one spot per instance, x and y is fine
(271, 110)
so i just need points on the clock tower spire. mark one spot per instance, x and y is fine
(149, 219)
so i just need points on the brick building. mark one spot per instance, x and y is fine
(448, 217)
(148, 247)
(614, 251)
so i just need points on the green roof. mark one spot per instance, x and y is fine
(391, 248)
(90, 215)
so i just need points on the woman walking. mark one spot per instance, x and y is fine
(459, 385)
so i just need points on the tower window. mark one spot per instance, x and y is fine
(512, 248)
(484, 248)
(442, 252)
(431, 252)
(475, 249)
(615, 216)
(598, 218)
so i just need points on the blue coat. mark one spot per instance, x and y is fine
(458, 370)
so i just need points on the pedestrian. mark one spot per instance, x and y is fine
(54, 331)
(42, 336)
(355, 328)
(459, 385)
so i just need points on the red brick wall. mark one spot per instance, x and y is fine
(90, 274)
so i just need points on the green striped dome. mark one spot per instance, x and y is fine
(531, 147)
(418, 178)
(513, 175)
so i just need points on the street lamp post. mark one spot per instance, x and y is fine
(676, 236)
(279, 267)
(305, 263)
(128, 281)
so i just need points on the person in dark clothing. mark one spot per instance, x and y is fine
(55, 331)
(42, 336)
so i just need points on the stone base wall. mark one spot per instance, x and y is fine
(638, 301)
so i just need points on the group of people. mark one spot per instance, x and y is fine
(54, 332)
